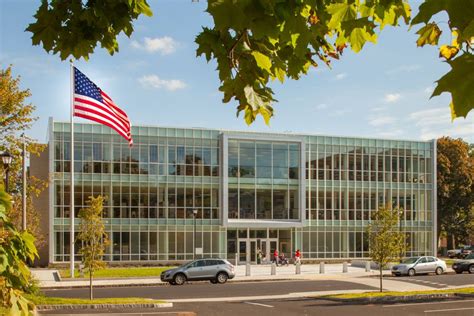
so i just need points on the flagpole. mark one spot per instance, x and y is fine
(71, 237)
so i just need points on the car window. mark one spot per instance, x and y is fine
(211, 262)
(431, 259)
(410, 260)
(471, 256)
(422, 260)
(220, 262)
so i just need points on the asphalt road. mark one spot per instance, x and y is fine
(208, 290)
(302, 307)
(439, 281)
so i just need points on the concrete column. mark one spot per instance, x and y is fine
(344, 267)
(247, 269)
(298, 268)
(321, 267)
(273, 271)
(367, 266)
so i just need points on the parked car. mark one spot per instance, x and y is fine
(466, 250)
(214, 270)
(466, 264)
(454, 253)
(414, 265)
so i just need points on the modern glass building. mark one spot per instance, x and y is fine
(250, 190)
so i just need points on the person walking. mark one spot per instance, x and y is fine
(297, 256)
(275, 256)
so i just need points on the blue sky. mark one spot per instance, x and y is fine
(157, 79)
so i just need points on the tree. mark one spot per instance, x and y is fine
(93, 237)
(455, 184)
(386, 241)
(16, 248)
(16, 116)
(256, 42)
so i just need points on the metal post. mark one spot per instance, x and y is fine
(71, 237)
(194, 234)
(7, 171)
(24, 185)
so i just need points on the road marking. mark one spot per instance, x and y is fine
(449, 310)
(258, 304)
(428, 303)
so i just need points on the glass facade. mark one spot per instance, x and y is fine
(313, 193)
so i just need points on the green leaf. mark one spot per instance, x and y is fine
(459, 81)
(358, 37)
(429, 34)
(340, 12)
(263, 61)
(253, 98)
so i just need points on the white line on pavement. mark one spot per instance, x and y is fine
(258, 304)
(449, 310)
(428, 303)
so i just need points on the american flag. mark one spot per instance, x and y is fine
(91, 103)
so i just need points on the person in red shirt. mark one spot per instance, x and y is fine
(275, 256)
(297, 256)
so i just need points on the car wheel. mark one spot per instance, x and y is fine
(439, 271)
(471, 268)
(458, 271)
(179, 279)
(411, 272)
(213, 281)
(222, 277)
(172, 283)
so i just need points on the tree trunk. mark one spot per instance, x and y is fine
(90, 284)
(381, 276)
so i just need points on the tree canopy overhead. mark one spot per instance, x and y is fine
(255, 42)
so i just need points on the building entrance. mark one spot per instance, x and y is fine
(248, 248)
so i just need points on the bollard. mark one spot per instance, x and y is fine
(81, 270)
(321, 267)
(298, 268)
(344, 267)
(367, 266)
(247, 269)
(273, 272)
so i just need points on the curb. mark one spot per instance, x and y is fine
(163, 284)
(398, 299)
(101, 306)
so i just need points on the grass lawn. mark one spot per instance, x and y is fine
(120, 272)
(45, 300)
(467, 290)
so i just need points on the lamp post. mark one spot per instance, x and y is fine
(6, 159)
(194, 234)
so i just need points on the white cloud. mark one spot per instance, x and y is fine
(378, 108)
(321, 106)
(340, 76)
(381, 120)
(153, 81)
(392, 97)
(436, 122)
(340, 112)
(163, 45)
(403, 69)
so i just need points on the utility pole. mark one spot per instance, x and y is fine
(25, 184)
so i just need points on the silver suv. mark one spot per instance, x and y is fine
(214, 270)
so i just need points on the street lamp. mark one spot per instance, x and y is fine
(6, 159)
(194, 234)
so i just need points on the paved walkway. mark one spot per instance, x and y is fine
(257, 273)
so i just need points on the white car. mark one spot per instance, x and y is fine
(414, 265)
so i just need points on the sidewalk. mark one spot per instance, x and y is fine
(259, 273)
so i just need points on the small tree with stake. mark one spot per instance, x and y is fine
(93, 237)
(387, 242)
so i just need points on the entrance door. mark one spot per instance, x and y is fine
(271, 249)
(285, 248)
(247, 250)
(253, 251)
(242, 255)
